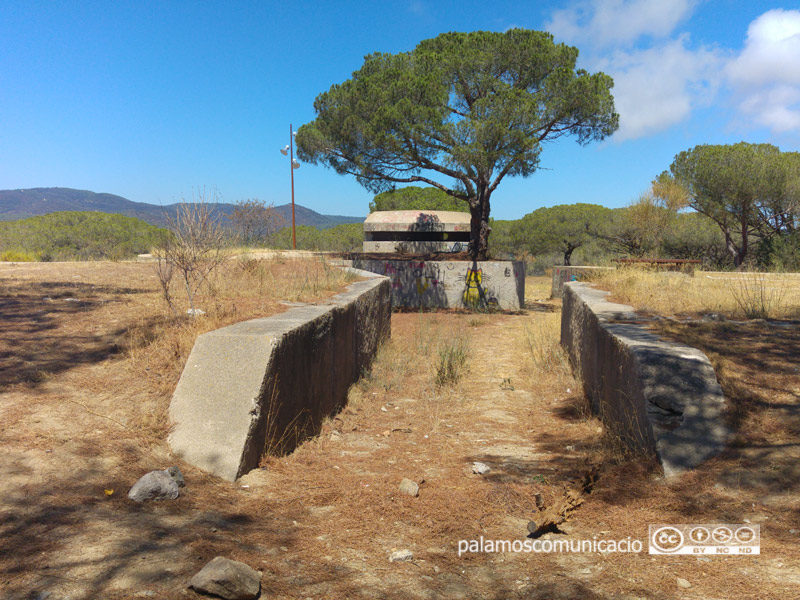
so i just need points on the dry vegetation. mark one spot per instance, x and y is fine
(734, 295)
(58, 316)
(322, 521)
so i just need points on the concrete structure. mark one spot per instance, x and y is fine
(416, 231)
(268, 383)
(452, 283)
(562, 275)
(656, 395)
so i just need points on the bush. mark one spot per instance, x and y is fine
(79, 236)
(17, 256)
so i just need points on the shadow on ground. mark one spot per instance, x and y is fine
(33, 343)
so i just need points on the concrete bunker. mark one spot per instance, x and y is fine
(416, 231)
(423, 253)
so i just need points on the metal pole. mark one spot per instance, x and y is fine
(291, 169)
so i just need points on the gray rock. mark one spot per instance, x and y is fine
(409, 487)
(683, 583)
(176, 474)
(227, 579)
(480, 468)
(155, 485)
(401, 556)
(713, 317)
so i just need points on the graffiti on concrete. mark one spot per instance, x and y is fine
(431, 283)
(473, 294)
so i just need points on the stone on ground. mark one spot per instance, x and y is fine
(401, 556)
(480, 468)
(409, 487)
(155, 485)
(227, 579)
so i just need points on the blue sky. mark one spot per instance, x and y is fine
(152, 100)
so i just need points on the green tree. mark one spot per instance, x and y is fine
(695, 236)
(469, 108)
(563, 228)
(415, 197)
(746, 189)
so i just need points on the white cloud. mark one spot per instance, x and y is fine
(658, 87)
(766, 75)
(606, 23)
(658, 78)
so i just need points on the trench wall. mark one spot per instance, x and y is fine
(267, 384)
(657, 395)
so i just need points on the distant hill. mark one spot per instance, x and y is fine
(33, 202)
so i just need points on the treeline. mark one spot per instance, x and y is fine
(593, 234)
(342, 238)
(72, 235)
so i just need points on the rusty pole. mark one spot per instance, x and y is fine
(291, 170)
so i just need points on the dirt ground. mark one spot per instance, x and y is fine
(82, 419)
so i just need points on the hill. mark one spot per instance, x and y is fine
(21, 204)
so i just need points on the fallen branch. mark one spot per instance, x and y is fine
(550, 517)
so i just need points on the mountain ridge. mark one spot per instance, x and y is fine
(32, 202)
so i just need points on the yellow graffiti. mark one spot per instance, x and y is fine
(421, 287)
(472, 295)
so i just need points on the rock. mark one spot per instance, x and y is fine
(713, 317)
(480, 468)
(683, 583)
(155, 485)
(401, 556)
(176, 474)
(227, 579)
(195, 312)
(145, 594)
(409, 487)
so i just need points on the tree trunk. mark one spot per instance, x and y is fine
(568, 254)
(743, 247)
(479, 225)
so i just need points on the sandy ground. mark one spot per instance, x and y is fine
(321, 523)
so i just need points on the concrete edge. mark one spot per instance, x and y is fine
(268, 383)
(658, 395)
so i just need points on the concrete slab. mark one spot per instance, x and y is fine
(657, 395)
(266, 384)
(417, 220)
(562, 275)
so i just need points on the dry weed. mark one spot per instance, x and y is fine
(452, 363)
(734, 295)
(158, 345)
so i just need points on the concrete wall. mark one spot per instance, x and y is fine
(452, 284)
(268, 383)
(415, 247)
(656, 395)
(562, 275)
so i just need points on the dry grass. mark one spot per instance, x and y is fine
(453, 356)
(151, 341)
(735, 295)
(322, 521)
